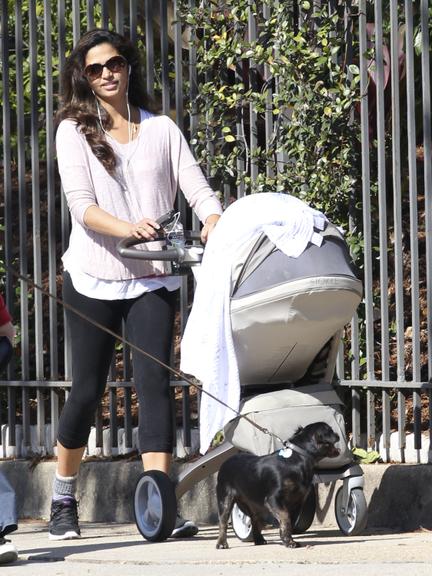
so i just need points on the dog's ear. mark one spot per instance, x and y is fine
(297, 432)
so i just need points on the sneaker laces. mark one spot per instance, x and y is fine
(64, 509)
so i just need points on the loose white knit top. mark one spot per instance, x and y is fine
(150, 169)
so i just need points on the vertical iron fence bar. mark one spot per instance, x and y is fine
(128, 416)
(127, 377)
(355, 333)
(179, 102)
(427, 146)
(367, 229)
(268, 116)
(355, 375)
(382, 225)
(178, 59)
(76, 21)
(366, 194)
(164, 58)
(355, 417)
(11, 417)
(90, 15)
(397, 215)
(193, 93)
(7, 184)
(51, 216)
(7, 156)
(22, 191)
(173, 418)
(99, 427)
(36, 215)
(242, 159)
(64, 211)
(282, 156)
(193, 122)
(253, 71)
(397, 195)
(119, 16)
(427, 149)
(340, 361)
(149, 43)
(414, 252)
(113, 424)
(133, 21)
(186, 410)
(22, 218)
(105, 13)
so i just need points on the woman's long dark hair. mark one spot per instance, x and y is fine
(78, 101)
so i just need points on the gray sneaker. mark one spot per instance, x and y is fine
(184, 528)
(64, 519)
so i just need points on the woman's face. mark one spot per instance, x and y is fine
(107, 72)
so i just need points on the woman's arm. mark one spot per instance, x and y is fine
(78, 188)
(192, 181)
(104, 223)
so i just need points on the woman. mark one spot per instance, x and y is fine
(120, 166)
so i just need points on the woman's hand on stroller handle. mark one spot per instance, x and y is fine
(153, 230)
(208, 227)
(146, 229)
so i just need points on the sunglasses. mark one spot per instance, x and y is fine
(114, 64)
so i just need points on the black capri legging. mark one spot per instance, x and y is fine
(149, 325)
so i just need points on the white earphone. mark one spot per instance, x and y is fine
(130, 70)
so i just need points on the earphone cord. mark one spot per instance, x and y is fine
(129, 119)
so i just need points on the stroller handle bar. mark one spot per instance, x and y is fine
(185, 255)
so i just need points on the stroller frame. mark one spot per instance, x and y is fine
(155, 499)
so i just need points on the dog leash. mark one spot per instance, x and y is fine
(191, 380)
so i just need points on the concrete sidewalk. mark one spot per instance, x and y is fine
(107, 549)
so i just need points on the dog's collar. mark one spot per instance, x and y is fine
(289, 448)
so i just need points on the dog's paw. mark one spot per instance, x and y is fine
(292, 544)
(222, 544)
(260, 542)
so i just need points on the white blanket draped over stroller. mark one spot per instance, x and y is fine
(207, 348)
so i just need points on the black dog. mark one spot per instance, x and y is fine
(278, 482)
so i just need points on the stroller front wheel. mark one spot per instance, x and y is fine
(155, 505)
(242, 525)
(307, 513)
(352, 519)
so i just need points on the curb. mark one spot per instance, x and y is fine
(399, 496)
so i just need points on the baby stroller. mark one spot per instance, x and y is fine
(302, 304)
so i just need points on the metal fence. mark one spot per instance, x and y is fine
(389, 375)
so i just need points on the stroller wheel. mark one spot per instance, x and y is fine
(353, 519)
(307, 513)
(155, 505)
(241, 524)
